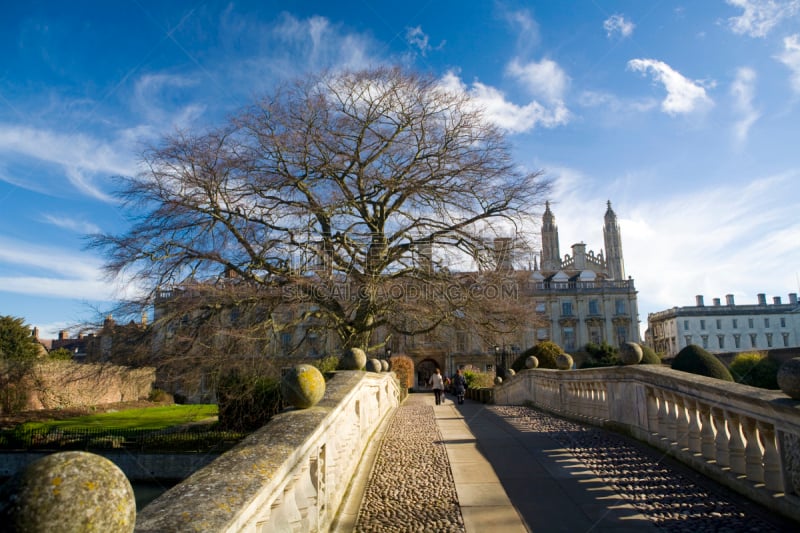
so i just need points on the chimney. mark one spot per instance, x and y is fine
(716, 302)
(793, 298)
(729, 299)
(35, 333)
(699, 300)
(579, 255)
(776, 300)
(762, 299)
(63, 335)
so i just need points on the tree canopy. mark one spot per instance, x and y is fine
(335, 194)
(16, 343)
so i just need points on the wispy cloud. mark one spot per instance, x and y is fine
(743, 91)
(78, 226)
(791, 58)
(419, 39)
(506, 114)
(82, 159)
(617, 25)
(543, 79)
(761, 16)
(683, 94)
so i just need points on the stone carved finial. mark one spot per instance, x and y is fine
(68, 491)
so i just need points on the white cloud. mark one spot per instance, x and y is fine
(791, 58)
(544, 79)
(760, 16)
(508, 115)
(616, 24)
(82, 159)
(78, 226)
(614, 103)
(683, 94)
(742, 91)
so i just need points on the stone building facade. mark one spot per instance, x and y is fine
(726, 328)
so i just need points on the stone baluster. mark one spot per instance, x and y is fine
(721, 439)
(663, 415)
(653, 426)
(753, 453)
(773, 473)
(682, 422)
(672, 417)
(695, 438)
(708, 447)
(735, 443)
(306, 497)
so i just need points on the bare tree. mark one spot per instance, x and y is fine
(336, 198)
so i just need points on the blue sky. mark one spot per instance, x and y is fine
(686, 115)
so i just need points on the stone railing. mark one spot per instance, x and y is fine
(743, 437)
(291, 475)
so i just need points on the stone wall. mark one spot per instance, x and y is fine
(60, 384)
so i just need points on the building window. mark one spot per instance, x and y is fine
(705, 341)
(286, 341)
(719, 324)
(750, 323)
(785, 340)
(685, 325)
(735, 323)
(737, 340)
(721, 339)
(594, 307)
(566, 308)
(540, 307)
(541, 334)
(622, 335)
(619, 307)
(595, 335)
(783, 322)
(461, 341)
(752, 340)
(568, 335)
(769, 340)
(766, 322)
(702, 324)
(688, 339)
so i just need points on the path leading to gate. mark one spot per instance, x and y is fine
(475, 468)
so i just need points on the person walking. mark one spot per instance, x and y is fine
(459, 386)
(437, 384)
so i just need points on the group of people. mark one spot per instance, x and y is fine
(439, 383)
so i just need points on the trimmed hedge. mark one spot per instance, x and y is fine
(649, 356)
(696, 360)
(546, 352)
(756, 370)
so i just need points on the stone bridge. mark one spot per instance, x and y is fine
(308, 470)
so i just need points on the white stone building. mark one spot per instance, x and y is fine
(726, 328)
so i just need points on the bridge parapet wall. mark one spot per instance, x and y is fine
(290, 475)
(744, 437)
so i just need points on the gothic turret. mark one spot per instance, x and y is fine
(613, 243)
(551, 257)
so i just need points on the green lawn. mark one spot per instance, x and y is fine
(146, 418)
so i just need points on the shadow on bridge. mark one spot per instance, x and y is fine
(549, 489)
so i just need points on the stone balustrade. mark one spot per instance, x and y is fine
(743, 437)
(290, 475)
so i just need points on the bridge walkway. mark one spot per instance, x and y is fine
(478, 468)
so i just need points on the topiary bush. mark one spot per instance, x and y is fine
(649, 356)
(599, 355)
(403, 366)
(756, 370)
(247, 402)
(326, 364)
(696, 360)
(546, 352)
(478, 380)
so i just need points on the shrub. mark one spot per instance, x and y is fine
(695, 360)
(403, 366)
(756, 370)
(160, 396)
(546, 352)
(649, 357)
(326, 364)
(599, 355)
(478, 380)
(247, 402)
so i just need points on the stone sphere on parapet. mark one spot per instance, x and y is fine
(531, 362)
(384, 365)
(564, 361)
(789, 378)
(498, 380)
(353, 359)
(510, 373)
(69, 491)
(374, 365)
(630, 353)
(303, 386)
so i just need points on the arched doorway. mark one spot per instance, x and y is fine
(425, 368)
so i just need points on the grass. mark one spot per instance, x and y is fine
(149, 418)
